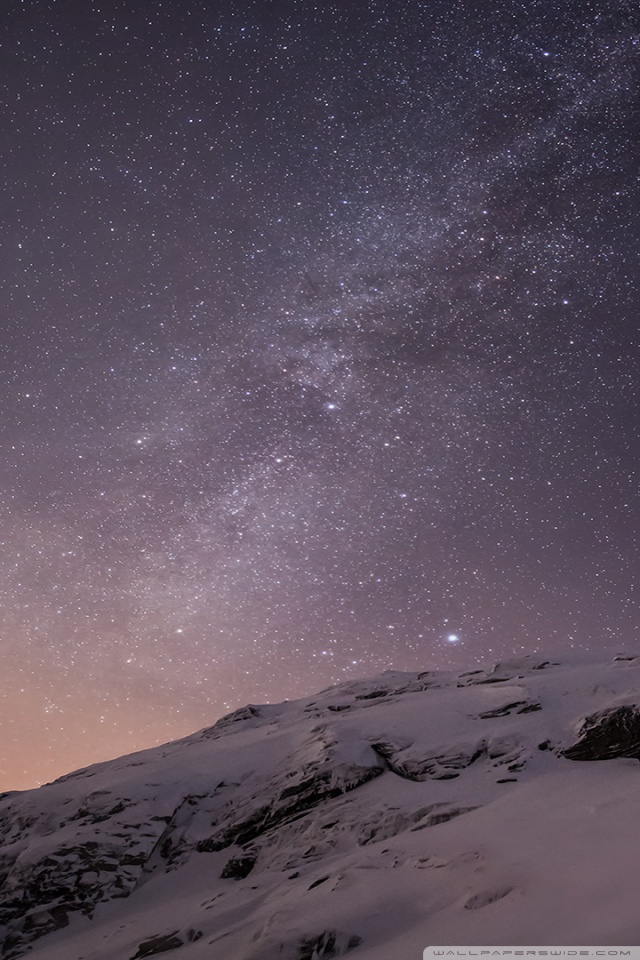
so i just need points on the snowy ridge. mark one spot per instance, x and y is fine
(373, 819)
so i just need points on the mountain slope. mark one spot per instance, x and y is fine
(374, 819)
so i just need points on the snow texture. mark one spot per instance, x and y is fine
(373, 819)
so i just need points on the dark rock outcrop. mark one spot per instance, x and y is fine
(288, 800)
(330, 943)
(518, 706)
(293, 801)
(409, 764)
(165, 942)
(608, 734)
(238, 867)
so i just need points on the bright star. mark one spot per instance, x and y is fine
(453, 638)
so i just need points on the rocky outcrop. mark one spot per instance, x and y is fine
(505, 671)
(277, 814)
(519, 706)
(164, 942)
(329, 943)
(289, 798)
(608, 734)
(238, 867)
(68, 870)
(410, 763)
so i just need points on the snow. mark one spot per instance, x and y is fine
(384, 816)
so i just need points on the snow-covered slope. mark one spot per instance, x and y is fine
(374, 819)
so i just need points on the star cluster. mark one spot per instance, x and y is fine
(319, 352)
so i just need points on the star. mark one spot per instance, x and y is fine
(319, 341)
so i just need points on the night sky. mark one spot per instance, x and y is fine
(318, 352)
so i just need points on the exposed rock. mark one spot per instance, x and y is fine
(280, 800)
(410, 765)
(156, 945)
(507, 670)
(324, 781)
(165, 942)
(443, 815)
(44, 884)
(316, 883)
(518, 706)
(608, 734)
(238, 867)
(330, 943)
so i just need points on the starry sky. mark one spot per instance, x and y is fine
(318, 352)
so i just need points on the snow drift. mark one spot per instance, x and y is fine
(373, 819)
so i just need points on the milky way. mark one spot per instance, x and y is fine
(319, 345)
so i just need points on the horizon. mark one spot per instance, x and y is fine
(318, 352)
(573, 658)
